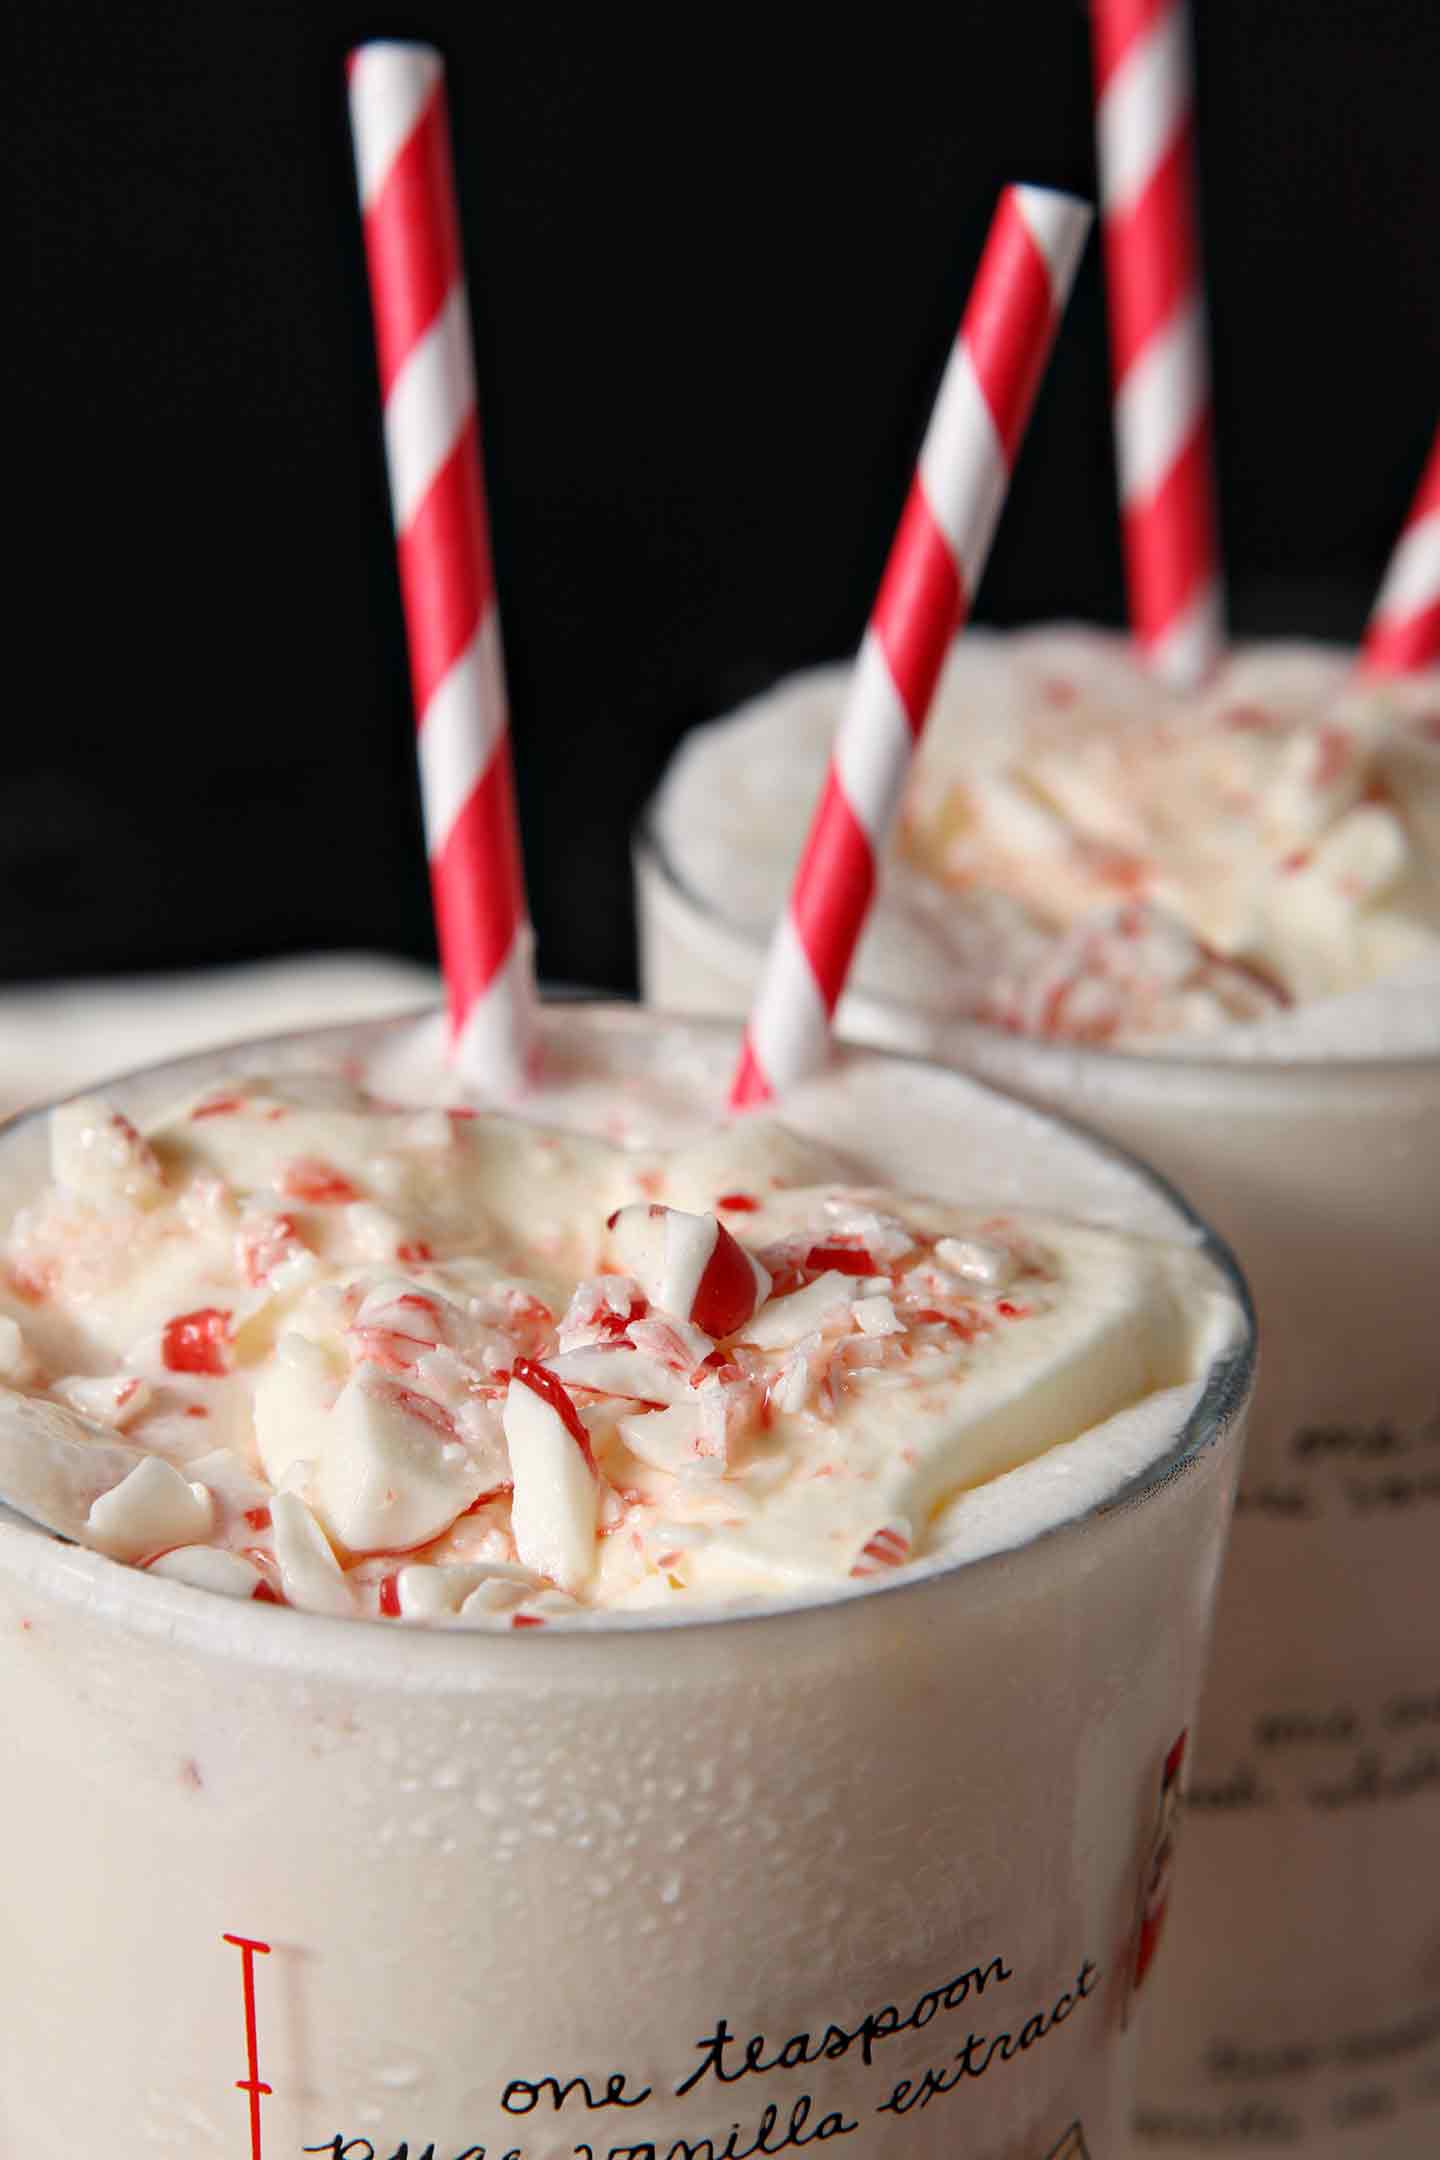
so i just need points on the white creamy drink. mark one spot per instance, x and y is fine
(604, 1632)
(1209, 927)
(1083, 857)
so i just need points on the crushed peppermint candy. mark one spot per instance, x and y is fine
(299, 1346)
(1084, 855)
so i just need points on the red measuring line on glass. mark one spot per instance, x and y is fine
(251, 2083)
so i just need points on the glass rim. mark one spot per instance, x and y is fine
(1226, 1388)
(651, 849)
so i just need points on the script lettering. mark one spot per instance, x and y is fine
(981, 2050)
(718, 2061)
(523, 2095)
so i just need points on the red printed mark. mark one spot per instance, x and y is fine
(318, 1183)
(738, 1203)
(251, 2082)
(542, 1382)
(195, 1341)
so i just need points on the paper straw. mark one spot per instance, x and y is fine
(1144, 116)
(1403, 635)
(927, 591)
(432, 448)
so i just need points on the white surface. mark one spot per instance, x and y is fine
(56, 1038)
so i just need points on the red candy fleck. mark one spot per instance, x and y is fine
(1121, 872)
(263, 1594)
(543, 1383)
(888, 1548)
(718, 1361)
(388, 1347)
(844, 1259)
(263, 1245)
(614, 1325)
(738, 1203)
(483, 1500)
(258, 1518)
(1010, 1311)
(414, 1249)
(30, 1281)
(726, 1293)
(525, 1619)
(196, 1409)
(967, 1325)
(318, 1183)
(1333, 753)
(420, 1406)
(786, 1279)
(131, 1133)
(195, 1341)
(390, 1597)
(219, 1106)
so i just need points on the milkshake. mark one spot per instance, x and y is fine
(1212, 930)
(614, 1633)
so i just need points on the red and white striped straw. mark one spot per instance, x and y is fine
(1144, 115)
(432, 447)
(926, 593)
(1403, 634)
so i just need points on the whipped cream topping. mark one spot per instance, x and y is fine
(296, 1343)
(1084, 855)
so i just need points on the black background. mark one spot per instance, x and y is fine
(715, 262)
